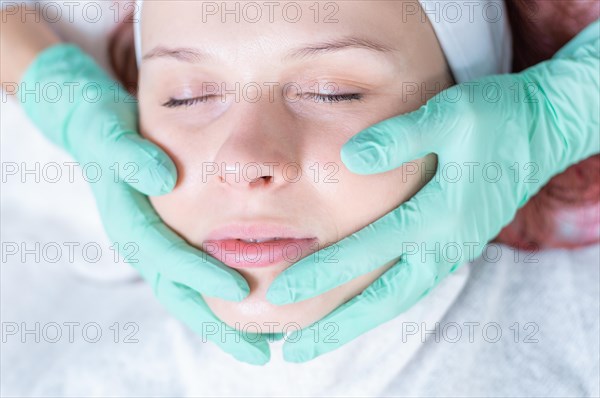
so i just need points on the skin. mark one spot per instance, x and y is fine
(281, 128)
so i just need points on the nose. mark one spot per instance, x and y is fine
(247, 174)
(260, 151)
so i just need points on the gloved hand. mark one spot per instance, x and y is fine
(513, 131)
(95, 120)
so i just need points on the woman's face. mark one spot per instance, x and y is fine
(254, 109)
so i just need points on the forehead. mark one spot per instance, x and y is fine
(271, 25)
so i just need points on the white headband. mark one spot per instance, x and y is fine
(137, 31)
(474, 35)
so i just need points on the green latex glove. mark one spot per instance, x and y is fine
(539, 121)
(95, 120)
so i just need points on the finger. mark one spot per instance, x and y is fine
(389, 144)
(141, 164)
(116, 144)
(189, 307)
(129, 218)
(362, 252)
(391, 294)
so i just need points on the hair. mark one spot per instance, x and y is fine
(540, 29)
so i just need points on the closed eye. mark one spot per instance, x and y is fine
(322, 98)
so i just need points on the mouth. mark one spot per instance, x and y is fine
(258, 245)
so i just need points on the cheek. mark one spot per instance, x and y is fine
(179, 209)
(354, 200)
(358, 200)
(174, 211)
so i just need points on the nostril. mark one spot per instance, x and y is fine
(264, 180)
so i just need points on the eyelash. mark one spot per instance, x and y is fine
(174, 103)
(330, 99)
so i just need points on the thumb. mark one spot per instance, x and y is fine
(392, 142)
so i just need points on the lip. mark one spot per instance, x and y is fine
(257, 231)
(229, 245)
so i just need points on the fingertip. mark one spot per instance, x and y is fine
(260, 360)
(359, 159)
(240, 292)
(294, 357)
(253, 352)
(291, 287)
(278, 294)
(157, 176)
(257, 358)
(382, 147)
(298, 354)
(155, 180)
(235, 290)
(234, 286)
(146, 167)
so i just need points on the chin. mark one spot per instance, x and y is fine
(255, 312)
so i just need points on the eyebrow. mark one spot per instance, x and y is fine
(337, 45)
(192, 55)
